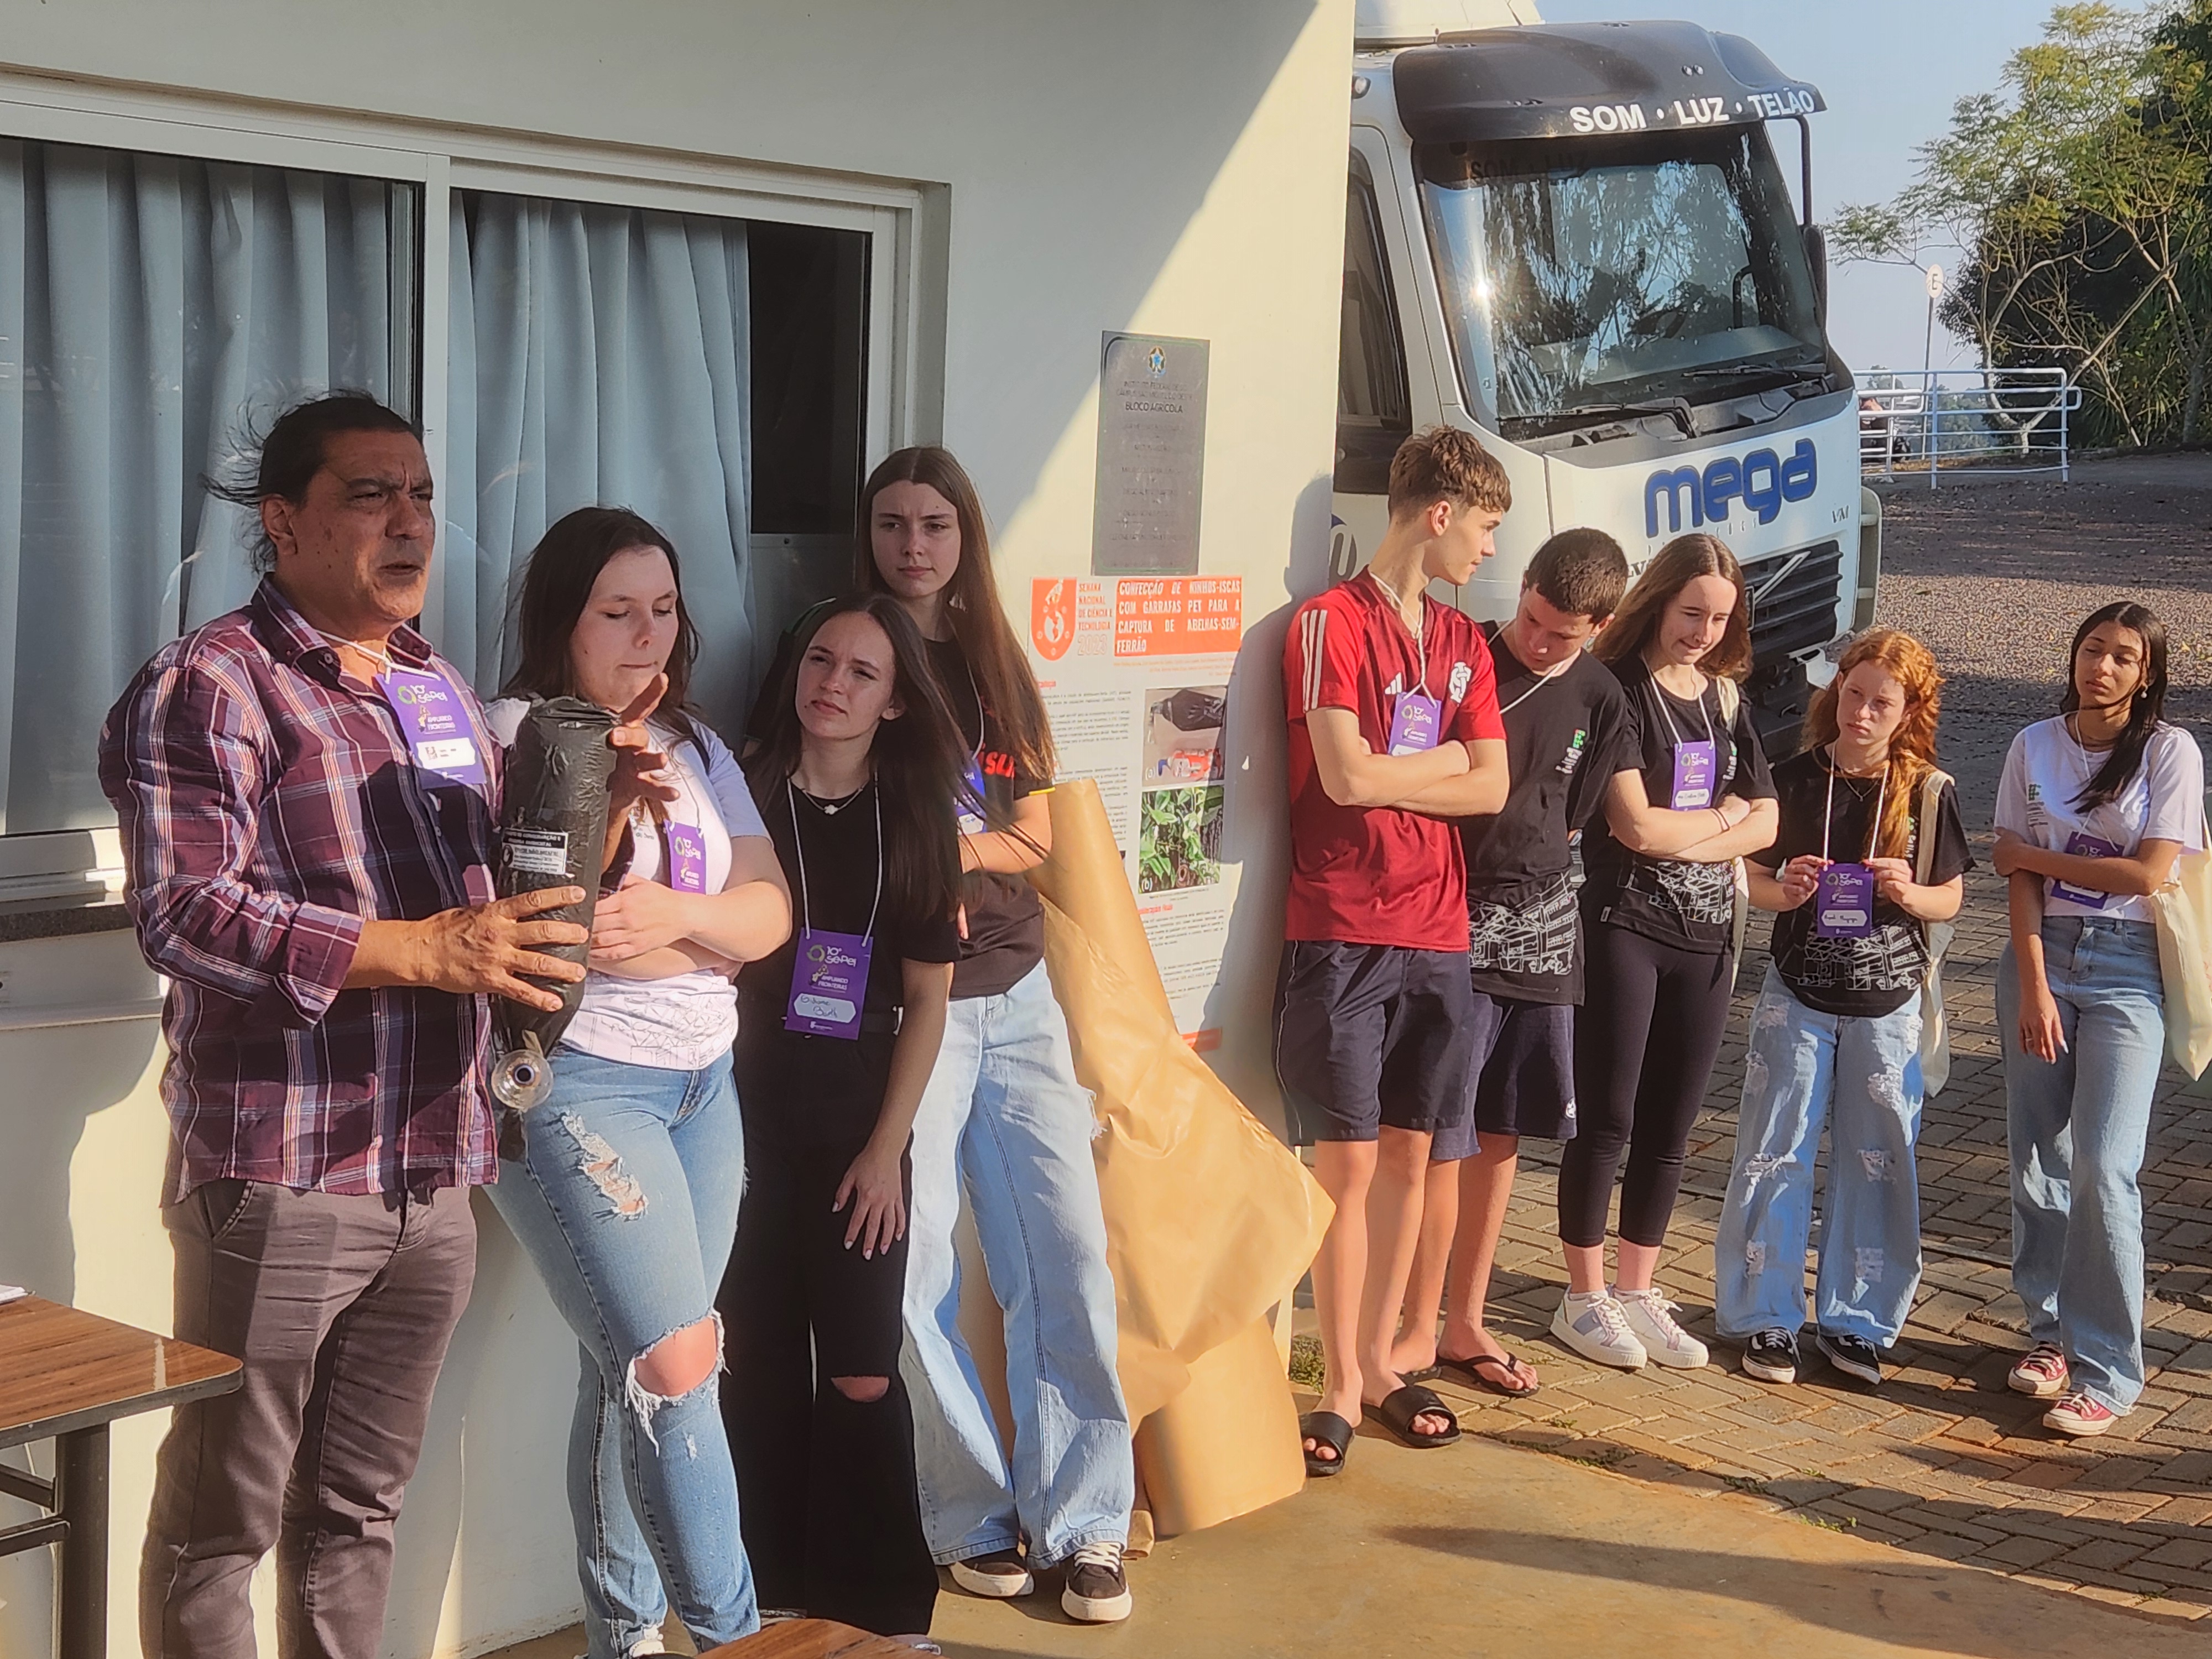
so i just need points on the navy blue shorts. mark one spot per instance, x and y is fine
(1367, 1034)
(1521, 1075)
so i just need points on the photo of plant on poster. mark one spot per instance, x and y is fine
(1179, 839)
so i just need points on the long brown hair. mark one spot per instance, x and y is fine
(916, 759)
(1912, 749)
(1004, 684)
(1678, 564)
(557, 586)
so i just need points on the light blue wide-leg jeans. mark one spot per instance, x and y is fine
(1004, 1117)
(1862, 1078)
(626, 1201)
(2077, 1129)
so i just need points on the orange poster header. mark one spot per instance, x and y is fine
(1136, 616)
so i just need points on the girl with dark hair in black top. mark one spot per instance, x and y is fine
(855, 777)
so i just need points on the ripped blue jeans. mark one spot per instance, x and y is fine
(625, 1199)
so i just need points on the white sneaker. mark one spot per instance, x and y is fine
(1595, 1327)
(1651, 1316)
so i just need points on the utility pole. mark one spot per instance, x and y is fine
(1931, 423)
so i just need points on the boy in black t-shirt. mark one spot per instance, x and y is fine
(1568, 729)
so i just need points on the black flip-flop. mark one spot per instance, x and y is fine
(1325, 1429)
(1400, 1406)
(1471, 1372)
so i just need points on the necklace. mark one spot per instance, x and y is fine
(829, 809)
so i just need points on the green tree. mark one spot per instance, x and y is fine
(2082, 191)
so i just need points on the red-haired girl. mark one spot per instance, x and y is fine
(1871, 851)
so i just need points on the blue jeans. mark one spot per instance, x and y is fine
(1004, 1114)
(2077, 1128)
(1805, 1066)
(626, 1201)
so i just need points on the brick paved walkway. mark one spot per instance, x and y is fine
(1943, 1459)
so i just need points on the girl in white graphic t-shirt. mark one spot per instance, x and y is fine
(2093, 810)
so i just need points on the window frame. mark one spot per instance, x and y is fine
(908, 224)
(1365, 448)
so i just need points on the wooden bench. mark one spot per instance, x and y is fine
(811, 1638)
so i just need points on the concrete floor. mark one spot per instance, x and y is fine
(1486, 1549)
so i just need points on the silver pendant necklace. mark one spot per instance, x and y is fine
(829, 809)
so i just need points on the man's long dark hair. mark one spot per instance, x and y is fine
(2147, 710)
(283, 460)
(557, 586)
(918, 760)
(1004, 684)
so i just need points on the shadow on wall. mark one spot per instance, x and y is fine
(1256, 811)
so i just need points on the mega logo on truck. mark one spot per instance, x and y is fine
(1762, 481)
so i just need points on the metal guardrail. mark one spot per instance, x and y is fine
(1996, 420)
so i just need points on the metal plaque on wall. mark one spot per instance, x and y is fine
(1151, 456)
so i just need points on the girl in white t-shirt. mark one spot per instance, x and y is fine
(623, 1185)
(2093, 810)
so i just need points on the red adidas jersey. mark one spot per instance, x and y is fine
(1378, 875)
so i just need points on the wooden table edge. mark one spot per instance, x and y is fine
(181, 1394)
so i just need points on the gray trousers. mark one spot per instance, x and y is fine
(341, 1308)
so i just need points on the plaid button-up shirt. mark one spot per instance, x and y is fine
(267, 807)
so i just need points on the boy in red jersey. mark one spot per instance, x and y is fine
(1394, 732)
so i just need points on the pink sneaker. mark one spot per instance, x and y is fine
(2041, 1373)
(2080, 1416)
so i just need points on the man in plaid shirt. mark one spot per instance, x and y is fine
(309, 860)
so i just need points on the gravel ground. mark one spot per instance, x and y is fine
(1995, 576)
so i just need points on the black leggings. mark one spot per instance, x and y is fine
(825, 1484)
(1645, 1039)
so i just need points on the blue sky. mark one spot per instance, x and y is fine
(1890, 71)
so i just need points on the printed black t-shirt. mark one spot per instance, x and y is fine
(842, 854)
(1565, 737)
(1672, 900)
(1856, 978)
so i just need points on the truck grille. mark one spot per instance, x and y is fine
(1798, 611)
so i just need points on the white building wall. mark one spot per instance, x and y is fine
(1150, 165)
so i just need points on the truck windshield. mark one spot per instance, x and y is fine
(1583, 275)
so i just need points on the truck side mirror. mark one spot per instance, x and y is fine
(1816, 256)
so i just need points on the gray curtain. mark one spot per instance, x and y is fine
(152, 311)
(599, 357)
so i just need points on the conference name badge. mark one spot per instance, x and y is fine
(1843, 902)
(687, 858)
(1696, 764)
(828, 984)
(435, 721)
(1414, 725)
(2082, 846)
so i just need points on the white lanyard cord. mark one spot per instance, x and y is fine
(1880, 794)
(1542, 679)
(799, 856)
(1659, 696)
(1420, 629)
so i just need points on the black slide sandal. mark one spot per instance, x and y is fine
(1325, 1429)
(1401, 1406)
(1475, 1374)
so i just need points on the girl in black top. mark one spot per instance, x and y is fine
(855, 777)
(1658, 910)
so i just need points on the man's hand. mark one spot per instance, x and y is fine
(638, 765)
(482, 949)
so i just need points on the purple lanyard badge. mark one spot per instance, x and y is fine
(1843, 898)
(434, 720)
(830, 971)
(971, 821)
(1697, 764)
(2082, 845)
(1413, 728)
(684, 847)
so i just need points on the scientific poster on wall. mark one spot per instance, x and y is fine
(1135, 677)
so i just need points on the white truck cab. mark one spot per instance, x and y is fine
(1576, 241)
